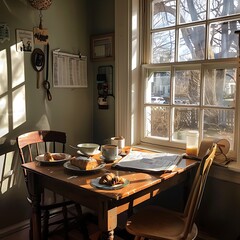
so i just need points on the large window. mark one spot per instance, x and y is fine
(190, 70)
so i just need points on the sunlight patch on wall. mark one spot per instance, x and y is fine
(4, 116)
(19, 107)
(134, 41)
(3, 71)
(18, 95)
(17, 61)
(6, 173)
(3, 94)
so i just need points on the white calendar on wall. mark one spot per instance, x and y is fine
(69, 70)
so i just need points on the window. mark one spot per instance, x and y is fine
(190, 70)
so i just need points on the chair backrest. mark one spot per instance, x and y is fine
(35, 143)
(197, 190)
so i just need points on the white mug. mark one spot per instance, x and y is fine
(119, 141)
(109, 152)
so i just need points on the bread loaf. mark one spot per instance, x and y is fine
(84, 164)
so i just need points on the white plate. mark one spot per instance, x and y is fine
(95, 153)
(65, 157)
(95, 183)
(71, 167)
(110, 160)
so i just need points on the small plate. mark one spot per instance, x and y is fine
(110, 160)
(65, 157)
(95, 183)
(71, 167)
(95, 153)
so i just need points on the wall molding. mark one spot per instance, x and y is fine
(14, 228)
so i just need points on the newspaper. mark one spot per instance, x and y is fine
(149, 162)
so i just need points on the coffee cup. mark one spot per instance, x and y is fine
(119, 141)
(109, 152)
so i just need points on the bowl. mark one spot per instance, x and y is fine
(88, 148)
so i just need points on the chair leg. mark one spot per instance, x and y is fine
(65, 222)
(45, 224)
(82, 223)
(30, 229)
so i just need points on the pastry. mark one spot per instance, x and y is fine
(58, 156)
(84, 164)
(48, 157)
(111, 179)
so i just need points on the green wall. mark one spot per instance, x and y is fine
(73, 110)
(102, 22)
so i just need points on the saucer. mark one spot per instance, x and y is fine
(110, 160)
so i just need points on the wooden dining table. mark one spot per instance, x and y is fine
(107, 204)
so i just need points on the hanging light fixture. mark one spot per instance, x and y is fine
(40, 5)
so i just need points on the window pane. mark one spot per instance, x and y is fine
(191, 43)
(184, 120)
(192, 11)
(219, 123)
(163, 13)
(158, 88)
(163, 46)
(220, 87)
(223, 42)
(220, 8)
(187, 87)
(157, 121)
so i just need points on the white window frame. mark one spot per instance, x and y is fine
(152, 140)
(128, 72)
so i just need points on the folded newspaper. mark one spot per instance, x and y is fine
(149, 162)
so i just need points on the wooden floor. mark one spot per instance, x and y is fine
(73, 234)
(76, 234)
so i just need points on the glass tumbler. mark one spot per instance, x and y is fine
(192, 143)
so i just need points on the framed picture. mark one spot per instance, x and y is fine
(24, 40)
(102, 47)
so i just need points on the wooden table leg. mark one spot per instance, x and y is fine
(107, 221)
(107, 235)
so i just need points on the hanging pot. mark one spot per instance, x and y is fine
(40, 4)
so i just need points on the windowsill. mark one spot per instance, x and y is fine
(230, 173)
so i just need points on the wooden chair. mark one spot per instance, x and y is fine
(154, 222)
(35, 143)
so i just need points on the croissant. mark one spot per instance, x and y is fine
(111, 179)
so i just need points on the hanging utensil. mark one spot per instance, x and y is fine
(46, 83)
(38, 62)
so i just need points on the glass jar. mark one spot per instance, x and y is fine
(192, 143)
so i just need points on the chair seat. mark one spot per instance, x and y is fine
(161, 224)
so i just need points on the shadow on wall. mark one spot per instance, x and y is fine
(13, 203)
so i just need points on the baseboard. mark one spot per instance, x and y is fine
(14, 228)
